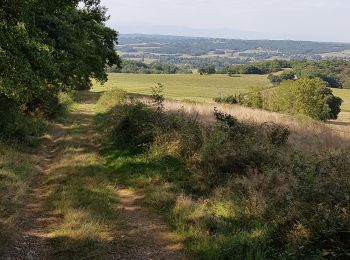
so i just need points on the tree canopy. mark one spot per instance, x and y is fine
(52, 45)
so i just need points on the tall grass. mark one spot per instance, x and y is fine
(306, 134)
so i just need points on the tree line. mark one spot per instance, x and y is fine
(139, 67)
(336, 73)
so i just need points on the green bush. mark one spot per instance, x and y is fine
(178, 136)
(229, 99)
(277, 134)
(207, 70)
(274, 79)
(253, 100)
(16, 126)
(133, 125)
(285, 75)
(309, 97)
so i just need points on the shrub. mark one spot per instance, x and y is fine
(133, 125)
(276, 134)
(179, 136)
(232, 148)
(158, 97)
(274, 79)
(49, 105)
(208, 69)
(16, 126)
(309, 97)
(225, 118)
(285, 75)
(253, 100)
(229, 99)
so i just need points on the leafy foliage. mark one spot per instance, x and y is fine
(277, 134)
(264, 67)
(207, 69)
(285, 75)
(334, 72)
(139, 67)
(158, 97)
(310, 97)
(228, 99)
(16, 126)
(52, 46)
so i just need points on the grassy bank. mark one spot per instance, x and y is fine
(231, 188)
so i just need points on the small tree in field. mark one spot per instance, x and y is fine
(158, 97)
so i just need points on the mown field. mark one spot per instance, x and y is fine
(188, 86)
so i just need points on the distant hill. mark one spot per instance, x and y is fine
(189, 50)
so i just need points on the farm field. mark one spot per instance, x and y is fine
(344, 116)
(193, 87)
(345, 95)
(187, 86)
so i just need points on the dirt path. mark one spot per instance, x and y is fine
(31, 239)
(144, 235)
(96, 220)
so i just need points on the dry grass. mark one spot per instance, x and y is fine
(307, 134)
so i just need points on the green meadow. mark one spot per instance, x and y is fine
(345, 95)
(187, 86)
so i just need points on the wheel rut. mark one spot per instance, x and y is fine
(32, 226)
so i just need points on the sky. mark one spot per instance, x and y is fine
(318, 20)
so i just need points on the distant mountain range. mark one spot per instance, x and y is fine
(225, 33)
(194, 32)
(221, 52)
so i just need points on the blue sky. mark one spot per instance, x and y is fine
(321, 20)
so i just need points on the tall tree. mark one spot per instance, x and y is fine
(52, 45)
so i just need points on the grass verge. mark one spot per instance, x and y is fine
(17, 168)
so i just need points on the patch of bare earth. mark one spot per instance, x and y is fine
(144, 234)
(31, 228)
